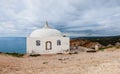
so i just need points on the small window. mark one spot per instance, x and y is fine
(58, 42)
(37, 42)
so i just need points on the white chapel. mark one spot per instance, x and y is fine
(47, 41)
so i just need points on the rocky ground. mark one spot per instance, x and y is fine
(101, 62)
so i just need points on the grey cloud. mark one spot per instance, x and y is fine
(75, 17)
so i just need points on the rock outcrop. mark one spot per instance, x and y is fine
(84, 43)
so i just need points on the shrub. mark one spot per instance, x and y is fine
(34, 55)
(102, 49)
(15, 54)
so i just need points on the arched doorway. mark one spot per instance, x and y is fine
(48, 45)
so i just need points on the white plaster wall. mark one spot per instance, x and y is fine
(31, 45)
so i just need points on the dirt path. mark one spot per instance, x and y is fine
(107, 62)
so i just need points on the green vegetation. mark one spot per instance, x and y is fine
(118, 46)
(73, 53)
(19, 55)
(102, 49)
(15, 54)
(34, 55)
(102, 40)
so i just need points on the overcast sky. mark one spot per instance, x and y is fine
(72, 17)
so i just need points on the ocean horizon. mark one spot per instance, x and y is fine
(13, 44)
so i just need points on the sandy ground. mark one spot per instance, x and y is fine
(107, 62)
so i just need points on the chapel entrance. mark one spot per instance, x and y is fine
(48, 45)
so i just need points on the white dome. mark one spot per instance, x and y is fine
(46, 32)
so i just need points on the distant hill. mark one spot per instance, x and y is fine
(101, 40)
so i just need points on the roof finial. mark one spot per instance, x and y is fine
(46, 25)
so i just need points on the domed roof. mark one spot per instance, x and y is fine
(46, 31)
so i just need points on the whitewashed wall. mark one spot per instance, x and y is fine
(31, 45)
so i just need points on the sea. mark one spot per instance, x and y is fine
(13, 45)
